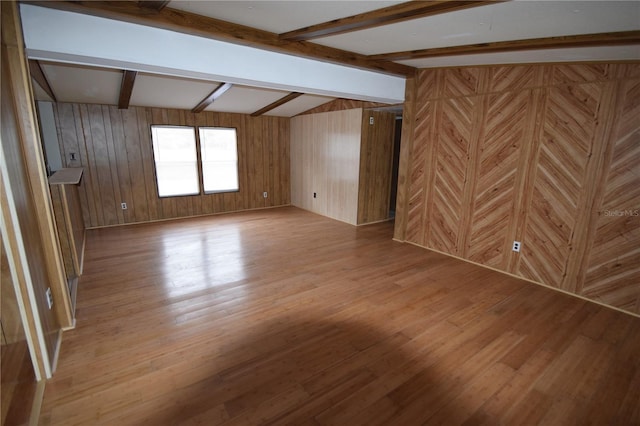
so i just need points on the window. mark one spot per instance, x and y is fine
(175, 150)
(219, 149)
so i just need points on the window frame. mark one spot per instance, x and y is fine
(199, 161)
(155, 163)
(223, 191)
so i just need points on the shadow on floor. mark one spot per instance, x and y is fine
(310, 372)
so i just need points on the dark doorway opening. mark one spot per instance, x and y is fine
(395, 167)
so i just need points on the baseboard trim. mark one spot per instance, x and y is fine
(521, 278)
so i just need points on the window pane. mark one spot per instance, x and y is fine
(219, 148)
(174, 150)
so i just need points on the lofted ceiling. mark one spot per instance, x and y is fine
(388, 37)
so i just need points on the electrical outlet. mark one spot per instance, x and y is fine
(264, 194)
(314, 195)
(370, 120)
(123, 205)
(72, 156)
(516, 246)
(49, 297)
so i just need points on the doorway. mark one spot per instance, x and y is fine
(395, 167)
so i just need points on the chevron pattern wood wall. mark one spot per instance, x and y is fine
(548, 155)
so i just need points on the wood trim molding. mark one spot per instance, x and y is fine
(291, 96)
(387, 15)
(581, 40)
(18, 77)
(406, 148)
(35, 69)
(126, 88)
(193, 24)
(211, 97)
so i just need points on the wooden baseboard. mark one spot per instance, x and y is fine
(521, 278)
(187, 217)
(389, 219)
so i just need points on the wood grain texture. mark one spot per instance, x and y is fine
(374, 18)
(613, 271)
(498, 157)
(556, 42)
(37, 74)
(421, 164)
(114, 147)
(18, 385)
(552, 147)
(342, 104)
(20, 187)
(70, 224)
(376, 157)
(12, 329)
(57, 198)
(195, 322)
(453, 138)
(291, 96)
(325, 160)
(126, 88)
(404, 160)
(565, 150)
(20, 94)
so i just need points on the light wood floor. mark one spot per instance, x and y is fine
(284, 317)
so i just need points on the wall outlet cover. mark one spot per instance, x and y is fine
(49, 298)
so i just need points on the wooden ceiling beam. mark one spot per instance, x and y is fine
(387, 15)
(35, 69)
(582, 40)
(190, 23)
(211, 97)
(126, 88)
(156, 5)
(291, 96)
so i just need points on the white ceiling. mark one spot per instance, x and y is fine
(279, 16)
(92, 85)
(513, 20)
(83, 84)
(163, 91)
(504, 21)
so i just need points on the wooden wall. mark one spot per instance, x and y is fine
(545, 155)
(376, 161)
(24, 203)
(12, 330)
(114, 146)
(325, 159)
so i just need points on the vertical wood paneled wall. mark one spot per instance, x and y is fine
(10, 320)
(27, 237)
(545, 155)
(114, 146)
(376, 160)
(325, 160)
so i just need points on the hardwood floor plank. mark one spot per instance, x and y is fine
(285, 317)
